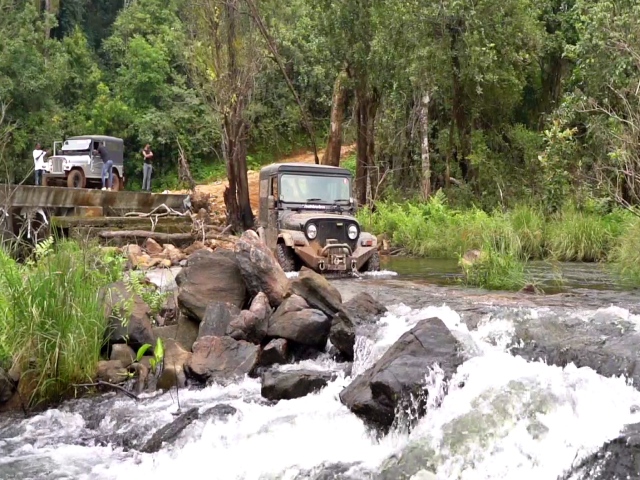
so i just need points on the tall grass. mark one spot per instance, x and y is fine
(52, 319)
(434, 229)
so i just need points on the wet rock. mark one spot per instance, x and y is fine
(275, 352)
(617, 459)
(175, 358)
(209, 277)
(295, 320)
(124, 353)
(293, 383)
(317, 291)
(400, 374)
(246, 326)
(7, 386)
(169, 433)
(217, 318)
(343, 335)
(185, 332)
(220, 412)
(112, 371)
(218, 359)
(608, 346)
(413, 462)
(363, 309)
(129, 317)
(260, 269)
(152, 247)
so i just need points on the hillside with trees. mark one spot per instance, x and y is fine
(498, 103)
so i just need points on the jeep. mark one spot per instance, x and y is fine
(76, 166)
(306, 217)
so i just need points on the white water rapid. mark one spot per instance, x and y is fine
(512, 419)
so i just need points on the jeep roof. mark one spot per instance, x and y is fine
(311, 168)
(98, 138)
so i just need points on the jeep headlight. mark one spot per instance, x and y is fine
(312, 231)
(352, 232)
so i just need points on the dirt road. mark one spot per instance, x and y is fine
(216, 189)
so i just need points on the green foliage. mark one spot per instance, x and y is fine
(625, 256)
(149, 293)
(52, 319)
(495, 270)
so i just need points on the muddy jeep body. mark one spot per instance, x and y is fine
(306, 218)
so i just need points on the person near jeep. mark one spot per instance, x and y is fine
(147, 167)
(107, 167)
(38, 160)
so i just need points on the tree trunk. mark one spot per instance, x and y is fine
(334, 143)
(366, 108)
(426, 159)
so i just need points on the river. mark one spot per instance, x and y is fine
(503, 417)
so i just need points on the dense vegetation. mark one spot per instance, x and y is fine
(499, 103)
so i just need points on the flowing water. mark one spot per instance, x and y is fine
(503, 417)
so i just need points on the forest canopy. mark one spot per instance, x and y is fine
(495, 101)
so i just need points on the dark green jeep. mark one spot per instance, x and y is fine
(306, 218)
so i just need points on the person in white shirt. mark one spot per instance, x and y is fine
(38, 160)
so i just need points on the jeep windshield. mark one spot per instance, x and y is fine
(75, 147)
(314, 189)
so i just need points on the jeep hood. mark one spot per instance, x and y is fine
(295, 221)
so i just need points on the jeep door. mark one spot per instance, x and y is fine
(271, 230)
(96, 161)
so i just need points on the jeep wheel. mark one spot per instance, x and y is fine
(285, 257)
(373, 264)
(115, 186)
(76, 179)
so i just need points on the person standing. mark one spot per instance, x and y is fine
(38, 160)
(147, 167)
(107, 167)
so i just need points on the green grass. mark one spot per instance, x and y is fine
(52, 319)
(509, 238)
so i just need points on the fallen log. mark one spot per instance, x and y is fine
(144, 234)
(164, 237)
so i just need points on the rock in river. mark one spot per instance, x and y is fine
(217, 318)
(129, 317)
(400, 373)
(317, 291)
(219, 359)
(260, 269)
(293, 383)
(208, 277)
(295, 320)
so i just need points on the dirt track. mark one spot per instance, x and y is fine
(216, 189)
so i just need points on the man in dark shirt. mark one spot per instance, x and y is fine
(147, 167)
(107, 167)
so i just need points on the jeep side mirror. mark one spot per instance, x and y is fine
(271, 202)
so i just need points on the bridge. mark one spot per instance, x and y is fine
(82, 211)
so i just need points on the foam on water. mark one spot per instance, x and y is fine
(511, 419)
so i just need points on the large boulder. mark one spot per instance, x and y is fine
(251, 325)
(397, 379)
(129, 317)
(168, 434)
(216, 319)
(293, 383)
(112, 371)
(7, 387)
(209, 277)
(618, 459)
(175, 358)
(220, 359)
(260, 269)
(317, 291)
(295, 320)
(123, 353)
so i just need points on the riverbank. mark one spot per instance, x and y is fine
(509, 239)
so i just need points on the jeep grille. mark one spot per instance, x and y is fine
(56, 165)
(329, 229)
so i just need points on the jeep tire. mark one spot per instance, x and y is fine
(76, 179)
(285, 257)
(373, 264)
